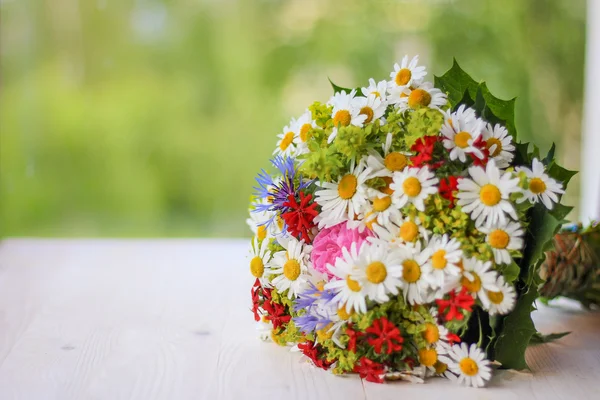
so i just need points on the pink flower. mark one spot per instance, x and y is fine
(328, 244)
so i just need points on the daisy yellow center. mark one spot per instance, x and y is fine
(461, 139)
(386, 189)
(419, 98)
(428, 357)
(352, 284)
(490, 195)
(376, 93)
(395, 161)
(411, 272)
(291, 269)
(491, 142)
(499, 239)
(342, 117)
(257, 268)
(325, 333)
(382, 204)
(495, 297)
(403, 77)
(537, 186)
(438, 259)
(368, 111)
(286, 141)
(347, 186)
(261, 232)
(468, 366)
(376, 272)
(409, 231)
(411, 186)
(321, 286)
(431, 334)
(304, 132)
(472, 286)
(343, 314)
(440, 367)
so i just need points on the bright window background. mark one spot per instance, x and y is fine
(151, 118)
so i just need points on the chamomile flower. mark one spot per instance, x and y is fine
(348, 292)
(384, 166)
(304, 124)
(486, 195)
(406, 232)
(413, 185)
(285, 145)
(468, 364)
(378, 271)
(378, 89)
(502, 239)
(259, 263)
(499, 144)
(501, 301)
(460, 131)
(258, 223)
(415, 270)
(291, 267)
(412, 98)
(344, 199)
(478, 277)
(372, 107)
(445, 256)
(540, 187)
(344, 112)
(381, 211)
(407, 73)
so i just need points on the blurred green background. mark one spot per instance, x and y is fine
(151, 118)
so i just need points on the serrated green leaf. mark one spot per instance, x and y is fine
(511, 272)
(560, 174)
(550, 156)
(338, 89)
(455, 82)
(516, 332)
(539, 338)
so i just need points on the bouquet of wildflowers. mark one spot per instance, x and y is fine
(400, 231)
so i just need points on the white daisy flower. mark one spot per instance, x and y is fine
(349, 292)
(445, 257)
(499, 144)
(434, 333)
(414, 273)
(378, 271)
(257, 223)
(502, 239)
(461, 130)
(413, 185)
(344, 112)
(501, 301)
(424, 95)
(407, 73)
(344, 199)
(477, 277)
(486, 196)
(285, 145)
(259, 263)
(407, 232)
(380, 211)
(291, 268)
(379, 89)
(469, 365)
(372, 107)
(303, 126)
(540, 185)
(391, 161)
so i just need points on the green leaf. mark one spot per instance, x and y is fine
(539, 338)
(511, 272)
(560, 174)
(550, 157)
(338, 89)
(455, 82)
(516, 332)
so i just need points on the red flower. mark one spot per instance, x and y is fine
(255, 292)
(276, 313)
(447, 189)
(310, 350)
(424, 147)
(300, 218)
(453, 338)
(481, 145)
(385, 333)
(370, 370)
(455, 303)
(353, 337)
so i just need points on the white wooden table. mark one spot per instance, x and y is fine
(151, 319)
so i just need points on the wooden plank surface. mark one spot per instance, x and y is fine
(170, 319)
